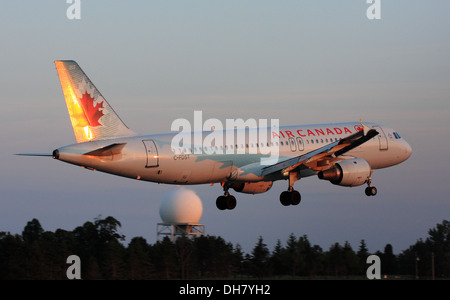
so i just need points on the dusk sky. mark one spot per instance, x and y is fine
(298, 61)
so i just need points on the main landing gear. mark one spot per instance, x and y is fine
(370, 190)
(291, 196)
(226, 201)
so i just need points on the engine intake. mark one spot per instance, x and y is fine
(349, 172)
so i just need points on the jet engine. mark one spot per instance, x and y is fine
(349, 172)
(252, 187)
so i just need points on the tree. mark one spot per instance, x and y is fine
(420, 258)
(310, 257)
(388, 260)
(292, 256)
(351, 260)
(107, 229)
(99, 248)
(87, 247)
(260, 260)
(439, 241)
(12, 255)
(32, 231)
(362, 254)
(183, 249)
(39, 254)
(164, 255)
(138, 260)
(335, 260)
(237, 262)
(276, 260)
(214, 256)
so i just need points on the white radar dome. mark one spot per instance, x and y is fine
(181, 206)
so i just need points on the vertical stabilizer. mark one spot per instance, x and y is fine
(91, 116)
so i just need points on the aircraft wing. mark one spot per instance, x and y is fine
(328, 152)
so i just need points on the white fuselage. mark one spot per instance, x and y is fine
(153, 157)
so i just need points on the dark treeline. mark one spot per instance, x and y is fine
(39, 254)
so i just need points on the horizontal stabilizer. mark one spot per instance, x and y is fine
(112, 149)
(35, 154)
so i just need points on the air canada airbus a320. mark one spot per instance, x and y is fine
(343, 153)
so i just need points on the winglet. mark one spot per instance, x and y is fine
(365, 127)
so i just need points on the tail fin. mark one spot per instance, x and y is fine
(91, 116)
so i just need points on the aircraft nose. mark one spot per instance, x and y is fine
(408, 150)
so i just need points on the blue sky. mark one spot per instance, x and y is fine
(299, 61)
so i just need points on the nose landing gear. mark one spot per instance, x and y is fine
(370, 190)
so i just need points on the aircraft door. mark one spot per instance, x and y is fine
(292, 144)
(301, 146)
(152, 154)
(381, 138)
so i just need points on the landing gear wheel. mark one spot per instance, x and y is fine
(226, 202)
(285, 198)
(295, 198)
(230, 202)
(290, 198)
(371, 191)
(220, 203)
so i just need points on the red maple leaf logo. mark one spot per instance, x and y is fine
(358, 128)
(92, 113)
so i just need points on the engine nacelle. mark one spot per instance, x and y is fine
(252, 187)
(349, 172)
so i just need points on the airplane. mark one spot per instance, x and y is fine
(345, 154)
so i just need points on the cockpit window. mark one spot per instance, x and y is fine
(397, 136)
